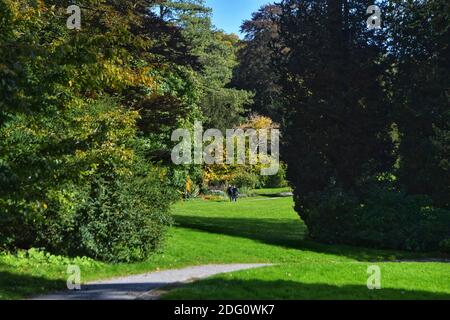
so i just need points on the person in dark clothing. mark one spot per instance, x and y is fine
(235, 193)
(230, 192)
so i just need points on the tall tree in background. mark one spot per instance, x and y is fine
(256, 72)
(222, 105)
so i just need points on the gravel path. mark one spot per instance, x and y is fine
(143, 286)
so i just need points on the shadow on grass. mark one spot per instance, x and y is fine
(281, 232)
(285, 233)
(105, 291)
(17, 286)
(281, 194)
(272, 195)
(221, 289)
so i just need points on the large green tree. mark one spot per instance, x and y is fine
(256, 72)
(222, 105)
(73, 177)
(337, 117)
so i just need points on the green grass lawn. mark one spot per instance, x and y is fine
(325, 280)
(259, 229)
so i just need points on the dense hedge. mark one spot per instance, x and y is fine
(384, 219)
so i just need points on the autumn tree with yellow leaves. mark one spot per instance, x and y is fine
(244, 175)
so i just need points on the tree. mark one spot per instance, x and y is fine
(222, 105)
(255, 71)
(224, 173)
(419, 54)
(73, 178)
(337, 118)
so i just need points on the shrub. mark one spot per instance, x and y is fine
(444, 246)
(36, 258)
(219, 193)
(73, 183)
(244, 179)
(124, 219)
(330, 215)
(395, 220)
(246, 192)
(386, 219)
(278, 180)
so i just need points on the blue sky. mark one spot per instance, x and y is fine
(229, 14)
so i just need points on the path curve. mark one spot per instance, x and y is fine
(143, 286)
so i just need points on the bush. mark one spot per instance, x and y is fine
(278, 180)
(243, 179)
(124, 219)
(36, 258)
(330, 215)
(386, 219)
(399, 221)
(73, 183)
(444, 246)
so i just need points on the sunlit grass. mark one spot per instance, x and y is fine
(261, 229)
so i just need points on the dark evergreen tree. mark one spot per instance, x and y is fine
(337, 117)
(255, 71)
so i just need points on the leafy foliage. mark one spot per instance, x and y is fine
(245, 175)
(72, 173)
(337, 119)
(124, 219)
(420, 54)
(386, 219)
(256, 71)
(222, 105)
